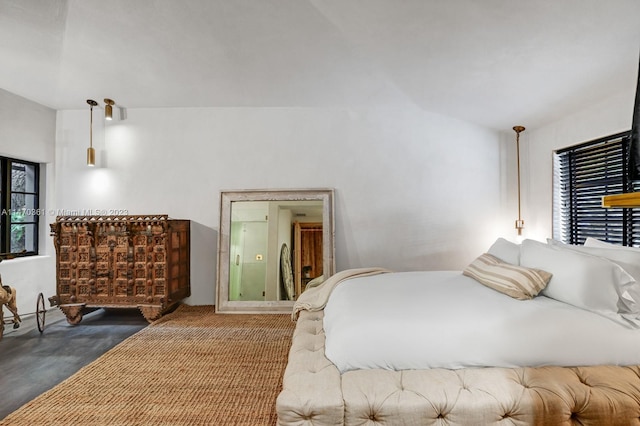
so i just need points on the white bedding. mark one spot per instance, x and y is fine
(442, 319)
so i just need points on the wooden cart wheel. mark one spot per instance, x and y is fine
(40, 312)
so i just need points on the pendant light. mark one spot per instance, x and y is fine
(108, 109)
(519, 221)
(91, 153)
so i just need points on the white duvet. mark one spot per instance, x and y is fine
(442, 319)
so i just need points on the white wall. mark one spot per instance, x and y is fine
(27, 132)
(612, 115)
(414, 190)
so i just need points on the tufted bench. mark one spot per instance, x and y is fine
(314, 392)
(311, 385)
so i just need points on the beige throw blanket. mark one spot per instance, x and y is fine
(315, 298)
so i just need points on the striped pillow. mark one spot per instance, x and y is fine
(515, 281)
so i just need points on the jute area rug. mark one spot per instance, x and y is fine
(191, 367)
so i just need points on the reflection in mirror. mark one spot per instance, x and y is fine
(257, 269)
(272, 244)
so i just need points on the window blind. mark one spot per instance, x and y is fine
(582, 175)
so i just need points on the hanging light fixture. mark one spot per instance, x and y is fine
(519, 221)
(91, 153)
(108, 109)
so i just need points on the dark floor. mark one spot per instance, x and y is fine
(32, 363)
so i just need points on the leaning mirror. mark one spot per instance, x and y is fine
(271, 245)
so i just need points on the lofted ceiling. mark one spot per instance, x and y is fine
(492, 62)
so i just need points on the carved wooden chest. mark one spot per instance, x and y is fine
(120, 261)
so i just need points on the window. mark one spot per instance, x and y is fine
(582, 175)
(19, 195)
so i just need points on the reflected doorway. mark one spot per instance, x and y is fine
(247, 272)
(307, 262)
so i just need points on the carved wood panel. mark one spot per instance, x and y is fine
(74, 264)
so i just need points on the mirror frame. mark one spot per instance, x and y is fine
(326, 195)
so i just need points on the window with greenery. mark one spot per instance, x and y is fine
(582, 175)
(19, 196)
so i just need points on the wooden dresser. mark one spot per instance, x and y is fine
(120, 262)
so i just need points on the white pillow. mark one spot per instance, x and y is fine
(579, 279)
(506, 251)
(593, 242)
(629, 260)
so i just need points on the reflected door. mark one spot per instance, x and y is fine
(308, 254)
(247, 268)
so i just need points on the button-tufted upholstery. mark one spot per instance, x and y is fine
(311, 394)
(314, 392)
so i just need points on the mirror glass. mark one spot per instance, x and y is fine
(272, 244)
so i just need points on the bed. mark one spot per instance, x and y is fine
(373, 346)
